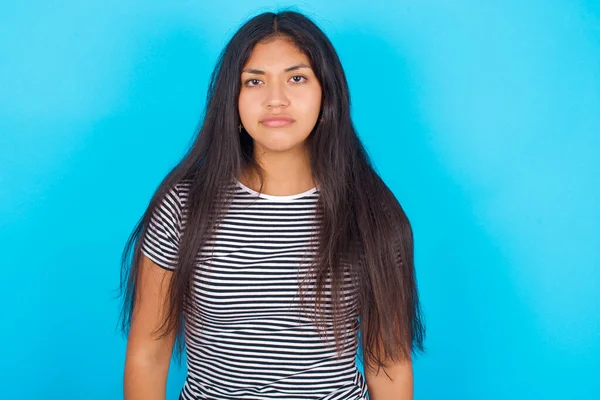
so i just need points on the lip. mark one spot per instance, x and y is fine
(275, 122)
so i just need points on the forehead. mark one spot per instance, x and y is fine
(276, 54)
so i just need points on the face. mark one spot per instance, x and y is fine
(280, 97)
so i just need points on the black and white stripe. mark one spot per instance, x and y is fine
(249, 337)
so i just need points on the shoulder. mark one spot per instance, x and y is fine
(177, 194)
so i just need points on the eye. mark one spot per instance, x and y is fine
(252, 82)
(298, 79)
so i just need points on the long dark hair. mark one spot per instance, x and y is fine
(364, 230)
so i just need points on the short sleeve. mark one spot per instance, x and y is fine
(160, 243)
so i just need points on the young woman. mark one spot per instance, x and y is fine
(273, 241)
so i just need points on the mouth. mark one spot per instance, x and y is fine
(276, 122)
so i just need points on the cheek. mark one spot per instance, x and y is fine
(311, 104)
(247, 106)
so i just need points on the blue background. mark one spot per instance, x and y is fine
(483, 118)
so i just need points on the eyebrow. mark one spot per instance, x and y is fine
(288, 69)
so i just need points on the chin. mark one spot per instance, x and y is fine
(280, 145)
(281, 148)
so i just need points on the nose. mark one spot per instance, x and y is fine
(276, 96)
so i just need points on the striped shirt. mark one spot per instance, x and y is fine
(250, 337)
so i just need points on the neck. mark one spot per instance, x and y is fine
(285, 173)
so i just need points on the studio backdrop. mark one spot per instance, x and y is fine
(483, 117)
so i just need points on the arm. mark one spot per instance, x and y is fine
(400, 387)
(148, 358)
